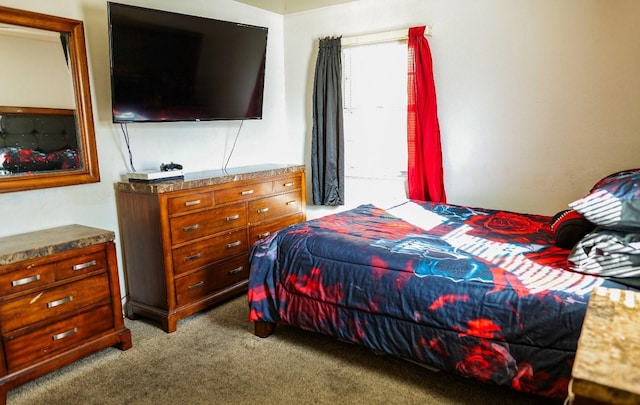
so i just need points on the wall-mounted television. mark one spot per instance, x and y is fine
(167, 66)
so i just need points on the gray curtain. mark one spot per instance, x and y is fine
(64, 40)
(327, 147)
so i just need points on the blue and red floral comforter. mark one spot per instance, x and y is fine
(482, 293)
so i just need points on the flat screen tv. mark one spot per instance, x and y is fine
(168, 66)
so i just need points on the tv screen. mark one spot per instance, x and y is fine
(174, 67)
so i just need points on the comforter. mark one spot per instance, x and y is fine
(482, 293)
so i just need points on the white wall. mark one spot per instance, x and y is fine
(198, 146)
(537, 98)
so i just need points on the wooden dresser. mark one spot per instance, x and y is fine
(59, 301)
(187, 242)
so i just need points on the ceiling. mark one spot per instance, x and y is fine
(291, 6)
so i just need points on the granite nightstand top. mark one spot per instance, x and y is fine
(209, 178)
(607, 365)
(35, 244)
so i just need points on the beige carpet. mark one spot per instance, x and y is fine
(214, 358)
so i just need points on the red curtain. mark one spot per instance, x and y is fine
(425, 177)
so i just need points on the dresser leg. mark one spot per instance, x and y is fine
(130, 311)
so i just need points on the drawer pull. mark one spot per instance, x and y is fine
(26, 280)
(290, 184)
(64, 334)
(192, 203)
(190, 228)
(263, 210)
(196, 286)
(293, 202)
(61, 301)
(233, 244)
(84, 265)
(247, 192)
(233, 217)
(263, 235)
(193, 257)
(235, 271)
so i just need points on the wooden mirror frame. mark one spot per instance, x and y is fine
(89, 171)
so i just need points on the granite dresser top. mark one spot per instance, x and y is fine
(209, 178)
(31, 245)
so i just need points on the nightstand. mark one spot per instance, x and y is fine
(59, 301)
(607, 364)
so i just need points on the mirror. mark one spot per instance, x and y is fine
(48, 120)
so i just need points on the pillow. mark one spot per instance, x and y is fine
(569, 227)
(63, 159)
(614, 176)
(608, 253)
(628, 281)
(614, 202)
(17, 160)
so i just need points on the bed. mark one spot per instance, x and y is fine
(485, 294)
(37, 139)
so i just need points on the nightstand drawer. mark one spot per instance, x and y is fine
(87, 262)
(243, 193)
(206, 223)
(35, 346)
(276, 206)
(39, 306)
(200, 254)
(26, 278)
(191, 202)
(213, 278)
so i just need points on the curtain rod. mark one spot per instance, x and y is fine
(388, 36)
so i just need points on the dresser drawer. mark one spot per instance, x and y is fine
(191, 202)
(264, 229)
(200, 254)
(287, 184)
(42, 305)
(243, 193)
(37, 345)
(213, 278)
(208, 222)
(276, 206)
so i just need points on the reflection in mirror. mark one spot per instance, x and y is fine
(46, 125)
(40, 56)
(34, 140)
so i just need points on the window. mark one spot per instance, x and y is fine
(375, 118)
